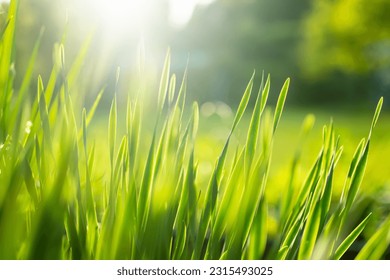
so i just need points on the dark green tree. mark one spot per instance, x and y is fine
(228, 39)
(348, 42)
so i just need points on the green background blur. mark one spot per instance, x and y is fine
(336, 52)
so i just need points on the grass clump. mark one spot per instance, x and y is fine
(54, 205)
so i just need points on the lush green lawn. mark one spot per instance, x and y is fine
(351, 126)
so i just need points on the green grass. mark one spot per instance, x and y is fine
(134, 191)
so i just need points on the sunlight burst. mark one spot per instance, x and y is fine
(121, 14)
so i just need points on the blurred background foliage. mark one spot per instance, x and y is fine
(337, 52)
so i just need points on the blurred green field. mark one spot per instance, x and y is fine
(351, 126)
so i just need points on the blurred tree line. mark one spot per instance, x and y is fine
(336, 52)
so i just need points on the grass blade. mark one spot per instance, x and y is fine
(92, 111)
(162, 91)
(351, 238)
(376, 115)
(254, 125)
(112, 130)
(310, 232)
(244, 102)
(280, 103)
(377, 244)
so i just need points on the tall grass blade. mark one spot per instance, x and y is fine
(377, 244)
(171, 91)
(243, 103)
(254, 125)
(310, 232)
(376, 115)
(265, 93)
(95, 104)
(162, 92)
(280, 103)
(348, 241)
(357, 177)
(112, 130)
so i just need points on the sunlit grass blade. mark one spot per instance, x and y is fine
(44, 115)
(133, 127)
(195, 126)
(265, 93)
(112, 130)
(280, 103)
(254, 125)
(310, 232)
(213, 186)
(90, 203)
(162, 92)
(348, 241)
(357, 177)
(376, 115)
(4, 28)
(326, 198)
(243, 103)
(120, 157)
(181, 96)
(352, 168)
(258, 236)
(145, 188)
(171, 91)
(7, 49)
(71, 228)
(185, 220)
(229, 196)
(288, 200)
(310, 181)
(92, 110)
(210, 201)
(377, 244)
(291, 236)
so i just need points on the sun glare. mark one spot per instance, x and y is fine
(180, 11)
(122, 13)
(116, 15)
